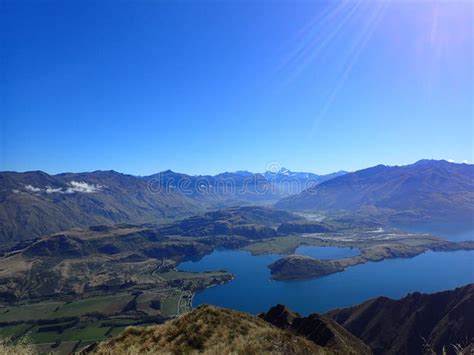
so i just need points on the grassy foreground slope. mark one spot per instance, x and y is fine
(212, 330)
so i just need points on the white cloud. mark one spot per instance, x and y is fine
(32, 188)
(74, 186)
(50, 190)
(81, 186)
(465, 162)
(450, 160)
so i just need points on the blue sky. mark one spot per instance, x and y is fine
(211, 86)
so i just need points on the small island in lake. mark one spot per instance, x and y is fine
(375, 245)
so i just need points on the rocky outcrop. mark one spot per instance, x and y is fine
(413, 323)
(319, 329)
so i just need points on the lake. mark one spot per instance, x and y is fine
(451, 231)
(253, 291)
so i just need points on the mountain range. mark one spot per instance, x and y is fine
(420, 192)
(240, 187)
(35, 203)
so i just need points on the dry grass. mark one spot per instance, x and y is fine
(460, 349)
(212, 331)
(23, 347)
(464, 348)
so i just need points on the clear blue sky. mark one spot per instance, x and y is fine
(211, 86)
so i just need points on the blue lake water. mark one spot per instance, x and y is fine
(450, 231)
(253, 291)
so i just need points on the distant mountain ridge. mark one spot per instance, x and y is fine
(425, 190)
(35, 203)
(241, 186)
(295, 182)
